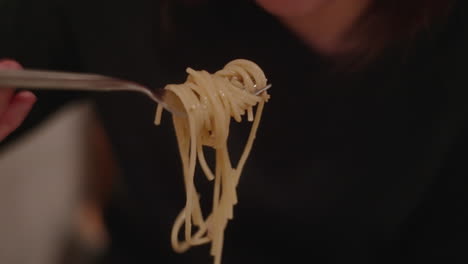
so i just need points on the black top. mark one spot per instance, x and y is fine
(366, 165)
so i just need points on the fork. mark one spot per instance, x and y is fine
(56, 80)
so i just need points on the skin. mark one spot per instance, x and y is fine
(322, 24)
(14, 107)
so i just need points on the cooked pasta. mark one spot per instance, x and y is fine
(210, 101)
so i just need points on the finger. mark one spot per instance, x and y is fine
(16, 112)
(6, 94)
(5, 98)
(9, 64)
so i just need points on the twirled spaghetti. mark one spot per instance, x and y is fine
(211, 100)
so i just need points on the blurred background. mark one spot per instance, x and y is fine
(50, 191)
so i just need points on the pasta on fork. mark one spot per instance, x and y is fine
(210, 102)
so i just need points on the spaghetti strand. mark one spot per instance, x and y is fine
(210, 101)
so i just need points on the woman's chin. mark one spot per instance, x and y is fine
(291, 8)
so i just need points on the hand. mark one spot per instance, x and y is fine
(14, 107)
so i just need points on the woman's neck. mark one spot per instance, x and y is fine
(326, 28)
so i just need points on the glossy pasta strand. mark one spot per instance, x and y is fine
(210, 101)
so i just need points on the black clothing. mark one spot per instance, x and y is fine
(366, 165)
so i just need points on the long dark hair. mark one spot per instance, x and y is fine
(397, 22)
(385, 22)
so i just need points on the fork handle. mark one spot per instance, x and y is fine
(54, 80)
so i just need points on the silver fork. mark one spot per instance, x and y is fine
(56, 80)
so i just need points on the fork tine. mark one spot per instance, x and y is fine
(263, 89)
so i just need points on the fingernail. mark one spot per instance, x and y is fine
(9, 64)
(6, 60)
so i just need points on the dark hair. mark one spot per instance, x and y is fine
(390, 22)
(384, 23)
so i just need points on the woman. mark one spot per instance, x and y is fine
(360, 155)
